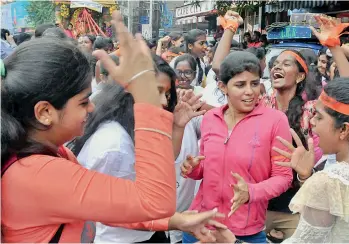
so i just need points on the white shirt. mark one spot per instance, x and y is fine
(110, 150)
(94, 85)
(211, 75)
(213, 96)
(186, 187)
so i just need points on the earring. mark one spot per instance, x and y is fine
(47, 122)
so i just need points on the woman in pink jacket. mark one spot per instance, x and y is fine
(237, 139)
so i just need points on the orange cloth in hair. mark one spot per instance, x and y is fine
(299, 60)
(333, 104)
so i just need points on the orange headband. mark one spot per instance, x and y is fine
(299, 60)
(333, 104)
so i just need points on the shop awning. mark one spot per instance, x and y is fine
(280, 6)
(190, 20)
(106, 3)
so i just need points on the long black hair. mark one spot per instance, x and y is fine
(313, 82)
(44, 69)
(113, 103)
(175, 36)
(295, 108)
(191, 38)
(163, 67)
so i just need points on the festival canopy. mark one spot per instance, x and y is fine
(104, 3)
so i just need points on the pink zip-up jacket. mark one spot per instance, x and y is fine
(248, 152)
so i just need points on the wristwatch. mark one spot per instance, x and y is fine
(238, 241)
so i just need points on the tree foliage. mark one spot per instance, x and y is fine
(239, 6)
(40, 12)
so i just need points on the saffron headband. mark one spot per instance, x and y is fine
(299, 60)
(333, 104)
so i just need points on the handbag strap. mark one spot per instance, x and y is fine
(57, 236)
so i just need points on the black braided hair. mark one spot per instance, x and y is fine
(295, 107)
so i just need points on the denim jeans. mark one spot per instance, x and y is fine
(257, 238)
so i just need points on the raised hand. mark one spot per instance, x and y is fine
(241, 194)
(330, 30)
(232, 15)
(326, 27)
(302, 160)
(189, 164)
(186, 109)
(136, 69)
(196, 223)
(165, 39)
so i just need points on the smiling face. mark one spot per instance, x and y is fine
(185, 74)
(285, 73)
(322, 64)
(242, 91)
(64, 124)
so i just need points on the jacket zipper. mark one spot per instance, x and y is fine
(224, 166)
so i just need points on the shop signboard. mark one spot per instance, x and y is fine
(290, 32)
(194, 9)
(146, 31)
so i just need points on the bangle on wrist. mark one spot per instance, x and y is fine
(303, 180)
(138, 75)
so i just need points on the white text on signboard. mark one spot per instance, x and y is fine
(146, 31)
(194, 9)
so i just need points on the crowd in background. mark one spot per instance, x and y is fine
(115, 140)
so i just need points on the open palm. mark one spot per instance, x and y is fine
(301, 160)
(330, 28)
(186, 109)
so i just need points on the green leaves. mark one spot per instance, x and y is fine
(40, 12)
(239, 6)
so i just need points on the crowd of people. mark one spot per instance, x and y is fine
(176, 140)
